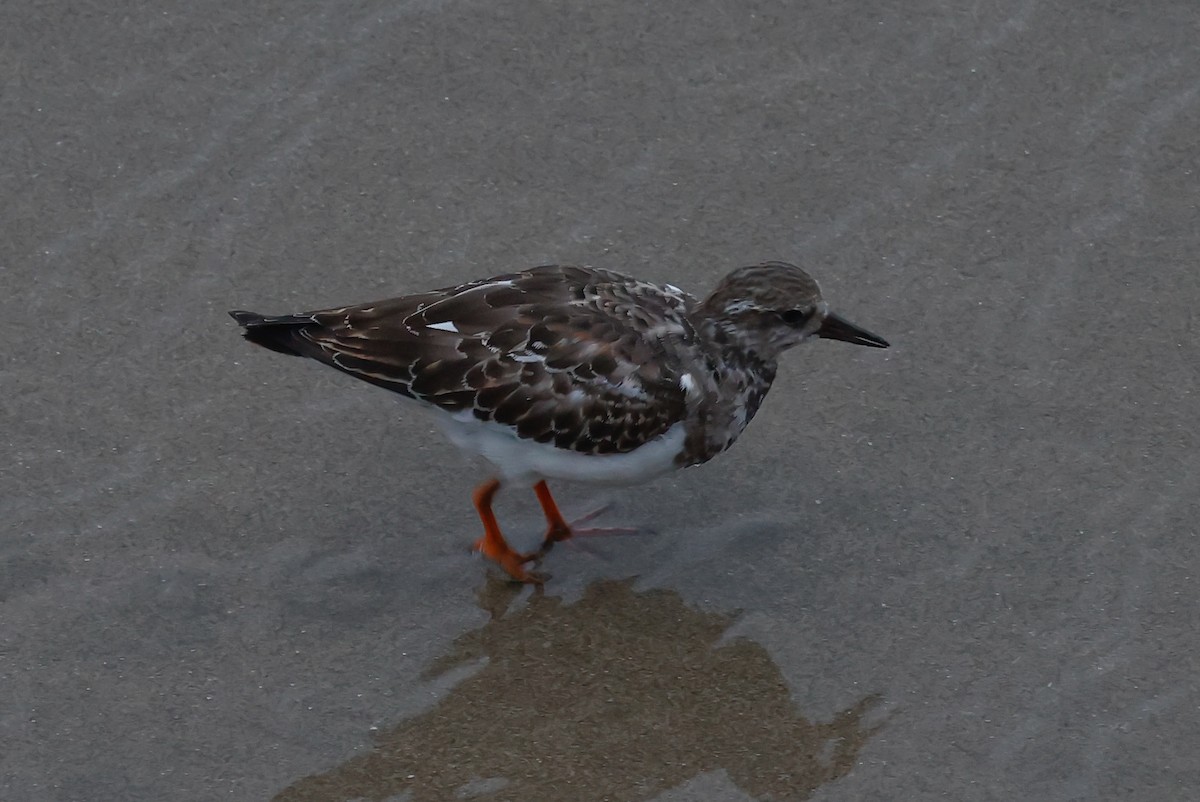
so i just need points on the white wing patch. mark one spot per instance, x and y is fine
(445, 325)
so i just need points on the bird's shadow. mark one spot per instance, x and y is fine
(620, 695)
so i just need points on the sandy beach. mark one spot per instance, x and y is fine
(961, 568)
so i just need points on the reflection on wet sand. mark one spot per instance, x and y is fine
(620, 696)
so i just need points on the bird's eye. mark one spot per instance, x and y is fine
(794, 317)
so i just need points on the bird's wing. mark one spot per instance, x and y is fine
(577, 357)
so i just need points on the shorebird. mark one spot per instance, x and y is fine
(574, 373)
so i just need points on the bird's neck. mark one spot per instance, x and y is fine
(737, 382)
(738, 348)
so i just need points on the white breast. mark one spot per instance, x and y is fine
(528, 461)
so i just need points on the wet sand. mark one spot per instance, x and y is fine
(962, 568)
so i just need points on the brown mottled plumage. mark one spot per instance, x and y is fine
(573, 372)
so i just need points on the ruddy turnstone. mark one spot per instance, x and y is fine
(577, 373)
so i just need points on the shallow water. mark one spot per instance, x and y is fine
(961, 568)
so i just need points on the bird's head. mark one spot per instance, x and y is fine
(768, 308)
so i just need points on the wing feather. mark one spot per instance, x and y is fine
(586, 359)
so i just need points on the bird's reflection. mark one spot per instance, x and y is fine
(619, 696)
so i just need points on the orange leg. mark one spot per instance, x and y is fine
(493, 545)
(557, 527)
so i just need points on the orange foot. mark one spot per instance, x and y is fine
(557, 528)
(493, 545)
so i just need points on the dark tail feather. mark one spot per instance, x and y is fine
(277, 333)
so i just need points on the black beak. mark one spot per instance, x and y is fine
(835, 327)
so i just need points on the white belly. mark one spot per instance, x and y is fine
(525, 460)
